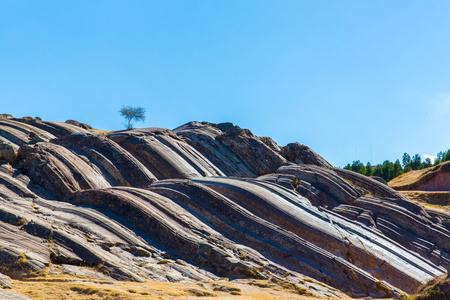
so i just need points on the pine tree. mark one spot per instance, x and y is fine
(369, 170)
(406, 162)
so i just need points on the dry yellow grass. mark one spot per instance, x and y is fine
(407, 179)
(72, 287)
(413, 179)
(104, 132)
(433, 200)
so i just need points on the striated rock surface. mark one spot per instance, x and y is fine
(236, 151)
(301, 154)
(301, 232)
(76, 123)
(371, 185)
(117, 165)
(165, 154)
(201, 202)
(58, 129)
(325, 183)
(61, 171)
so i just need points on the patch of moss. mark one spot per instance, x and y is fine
(21, 222)
(385, 289)
(163, 261)
(255, 273)
(243, 256)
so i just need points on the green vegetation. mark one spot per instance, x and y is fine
(132, 114)
(389, 170)
(435, 289)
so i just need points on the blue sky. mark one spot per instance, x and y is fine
(363, 80)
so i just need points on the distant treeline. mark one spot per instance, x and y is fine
(389, 170)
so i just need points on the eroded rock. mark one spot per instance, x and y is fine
(301, 154)
(165, 154)
(336, 190)
(61, 171)
(7, 151)
(117, 165)
(299, 219)
(76, 123)
(236, 151)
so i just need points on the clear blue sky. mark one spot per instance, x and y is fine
(363, 80)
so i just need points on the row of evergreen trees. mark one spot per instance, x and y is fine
(389, 170)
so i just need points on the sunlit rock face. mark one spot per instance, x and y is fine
(236, 151)
(165, 154)
(206, 201)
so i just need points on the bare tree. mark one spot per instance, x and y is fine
(132, 114)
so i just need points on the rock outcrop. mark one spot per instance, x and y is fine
(165, 154)
(202, 201)
(236, 151)
(301, 154)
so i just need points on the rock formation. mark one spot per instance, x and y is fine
(205, 201)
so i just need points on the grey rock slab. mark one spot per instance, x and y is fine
(356, 213)
(251, 150)
(302, 154)
(235, 151)
(91, 222)
(5, 282)
(14, 135)
(57, 129)
(191, 155)
(21, 253)
(373, 186)
(11, 184)
(338, 236)
(123, 135)
(117, 164)
(29, 130)
(75, 235)
(270, 143)
(405, 225)
(79, 124)
(306, 189)
(168, 224)
(166, 156)
(61, 171)
(440, 217)
(285, 180)
(227, 215)
(79, 271)
(325, 180)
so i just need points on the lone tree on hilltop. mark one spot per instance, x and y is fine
(132, 114)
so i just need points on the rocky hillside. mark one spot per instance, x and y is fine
(205, 201)
(435, 178)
